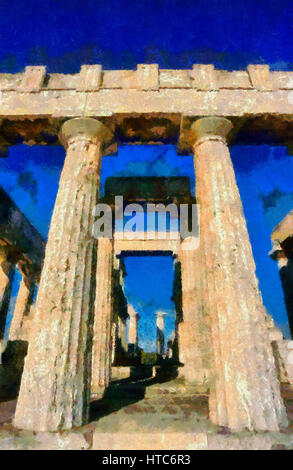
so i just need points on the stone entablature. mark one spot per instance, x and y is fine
(202, 77)
(148, 104)
(282, 238)
(22, 238)
(141, 243)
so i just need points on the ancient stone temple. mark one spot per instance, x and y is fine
(223, 334)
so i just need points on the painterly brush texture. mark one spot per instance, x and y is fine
(146, 225)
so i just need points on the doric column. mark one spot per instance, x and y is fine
(122, 334)
(160, 333)
(282, 252)
(22, 307)
(102, 355)
(132, 329)
(193, 335)
(55, 385)
(120, 313)
(6, 279)
(285, 266)
(114, 335)
(244, 392)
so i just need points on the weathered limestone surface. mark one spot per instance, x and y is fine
(260, 77)
(160, 325)
(21, 309)
(33, 79)
(283, 353)
(122, 333)
(201, 91)
(120, 314)
(72, 103)
(89, 78)
(244, 390)
(283, 350)
(28, 328)
(147, 77)
(102, 344)
(194, 339)
(133, 327)
(55, 386)
(114, 336)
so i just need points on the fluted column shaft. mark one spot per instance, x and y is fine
(194, 344)
(245, 390)
(285, 265)
(160, 337)
(55, 385)
(21, 309)
(6, 279)
(122, 334)
(133, 328)
(102, 345)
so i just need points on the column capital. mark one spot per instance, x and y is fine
(4, 253)
(132, 313)
(160, 314)
(29, 271)
(8, 254)
(211, 128)
(85, 128)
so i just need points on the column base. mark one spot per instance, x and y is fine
(199, 379)
(98, 394)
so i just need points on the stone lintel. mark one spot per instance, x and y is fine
(145, 245)
(284, 229)
(147, 117)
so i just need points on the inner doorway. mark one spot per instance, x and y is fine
(148, 288)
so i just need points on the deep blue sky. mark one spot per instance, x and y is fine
(119, 34)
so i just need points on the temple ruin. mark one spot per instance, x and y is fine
(76, 331)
